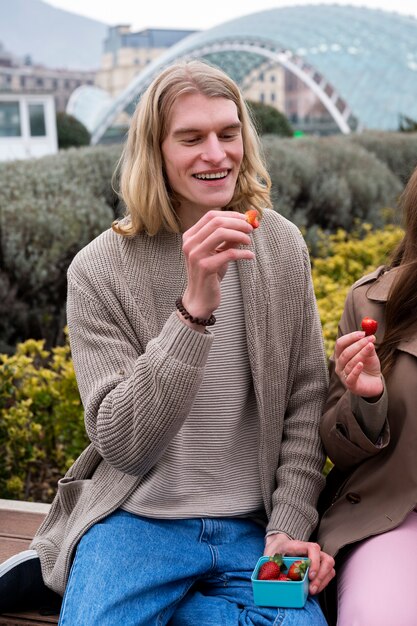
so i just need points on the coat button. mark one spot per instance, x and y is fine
(353, 498)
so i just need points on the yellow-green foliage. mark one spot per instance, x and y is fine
(342, 259)
(41, 420)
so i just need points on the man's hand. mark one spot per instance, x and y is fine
(216, 239)
(322, 565)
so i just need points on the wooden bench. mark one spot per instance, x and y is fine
(18, 523)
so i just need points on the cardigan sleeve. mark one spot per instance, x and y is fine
(299, 477)
(350, 425)
(135, 400)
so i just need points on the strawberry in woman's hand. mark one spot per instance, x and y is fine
(271, 570)
(297, 570)
(369, 326)
(252, 217)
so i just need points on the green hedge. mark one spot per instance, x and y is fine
(51, 207)
(330, 183)
(397, 150)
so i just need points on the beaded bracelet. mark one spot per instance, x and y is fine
(194, 320)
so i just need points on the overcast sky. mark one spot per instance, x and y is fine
(198, 15)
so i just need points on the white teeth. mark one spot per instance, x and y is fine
(211, 176)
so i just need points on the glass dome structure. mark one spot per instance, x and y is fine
(361, 63)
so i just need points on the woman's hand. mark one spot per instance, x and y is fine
(209, 245)
(358, 365)
(322, 565)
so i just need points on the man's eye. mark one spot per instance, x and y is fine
(229, 136)
(190, 140)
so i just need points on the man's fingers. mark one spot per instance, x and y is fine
(216, 219)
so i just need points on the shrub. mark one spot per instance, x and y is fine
(52, 207)
(397, 150)
(71, 132)
(330, 183)
(49, 209)
(341, 261)
(41, 420)
(407, 124)
(268, 120)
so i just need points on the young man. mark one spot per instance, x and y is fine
(198, 353)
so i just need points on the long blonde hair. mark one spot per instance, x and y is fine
(150, 204)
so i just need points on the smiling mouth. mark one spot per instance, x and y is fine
(214, 176)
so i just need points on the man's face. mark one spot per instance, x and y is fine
(202, 153)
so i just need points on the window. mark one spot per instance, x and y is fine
(37, 120)
(10, 119)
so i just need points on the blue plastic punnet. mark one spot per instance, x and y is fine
(281, 593)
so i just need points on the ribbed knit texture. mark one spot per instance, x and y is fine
(210, 468)
(139, 371)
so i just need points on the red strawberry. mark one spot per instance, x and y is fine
(369, 326)
(297, 569)
(271, 569)
(283, 577)
(252, 216)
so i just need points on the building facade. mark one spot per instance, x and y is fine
(27, 126)
(21, 77)
(127, 53)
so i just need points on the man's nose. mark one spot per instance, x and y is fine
(213, 150)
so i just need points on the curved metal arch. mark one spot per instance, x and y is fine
(334, 104)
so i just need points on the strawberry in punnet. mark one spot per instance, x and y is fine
(271, 569)
(252, 217)
(297, 570)
(369, 326)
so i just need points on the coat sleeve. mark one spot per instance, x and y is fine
(299, 476)
(343, 428)
(135, 400)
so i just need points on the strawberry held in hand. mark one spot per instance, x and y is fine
(252, 217)
(271, 570)
(297, 570)
(369, 326)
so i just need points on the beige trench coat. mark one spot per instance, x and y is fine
(377, 481)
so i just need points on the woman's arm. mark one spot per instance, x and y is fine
(353, 425)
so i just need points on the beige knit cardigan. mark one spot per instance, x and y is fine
(139, 369)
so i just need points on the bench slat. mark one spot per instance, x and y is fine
(20, 524)
(10, 546)
(27, 619)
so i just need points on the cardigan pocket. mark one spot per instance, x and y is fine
(70, 491)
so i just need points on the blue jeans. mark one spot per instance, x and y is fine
(134, 571)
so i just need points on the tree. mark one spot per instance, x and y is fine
(407, 124)
(71, 132)
(268, 120)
